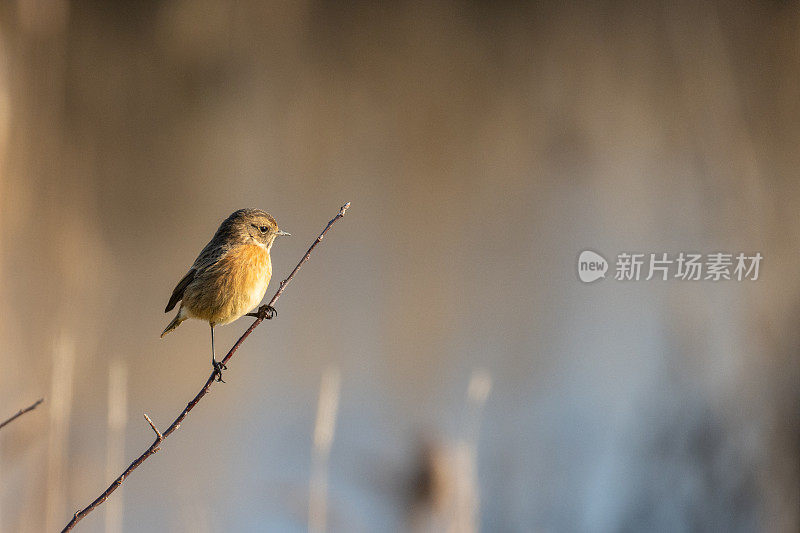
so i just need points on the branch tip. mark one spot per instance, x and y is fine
(159, 436)
(344, 209)
(21, 412)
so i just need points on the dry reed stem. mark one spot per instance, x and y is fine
(115, 436)
(324, 430)
(60, 406)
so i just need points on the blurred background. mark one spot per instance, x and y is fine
(437, 365)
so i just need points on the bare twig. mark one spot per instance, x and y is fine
(159, 436)
(22, 412)
(209, 383)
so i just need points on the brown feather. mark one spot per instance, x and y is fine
(177, 294)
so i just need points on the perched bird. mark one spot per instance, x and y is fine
(230, 276)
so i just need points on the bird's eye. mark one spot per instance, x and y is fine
(263, 229)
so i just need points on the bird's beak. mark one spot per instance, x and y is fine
(281, 232)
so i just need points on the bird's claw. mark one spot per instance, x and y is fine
(218, 368)
(265, 312)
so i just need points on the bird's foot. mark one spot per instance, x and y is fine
(218, 368)
(265, 312)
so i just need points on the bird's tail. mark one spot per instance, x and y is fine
(180, 317)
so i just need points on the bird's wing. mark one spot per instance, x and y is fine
(207, 258)
(212, 253)
(177, 294)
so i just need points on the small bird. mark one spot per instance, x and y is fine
(230, 276)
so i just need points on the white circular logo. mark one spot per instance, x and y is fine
(591, 266)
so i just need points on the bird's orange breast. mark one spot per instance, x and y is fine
(232, 286)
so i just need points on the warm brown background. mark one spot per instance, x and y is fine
(483, 146)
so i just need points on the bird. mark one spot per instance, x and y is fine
(230, 276)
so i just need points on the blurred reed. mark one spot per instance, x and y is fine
(324, 429)
(115, 438)
(61, 389)
(467, 508)
(450, 496)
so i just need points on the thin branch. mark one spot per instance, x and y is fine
(22, 412)
(199, 396)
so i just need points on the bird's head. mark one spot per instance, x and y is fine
(251, 226)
